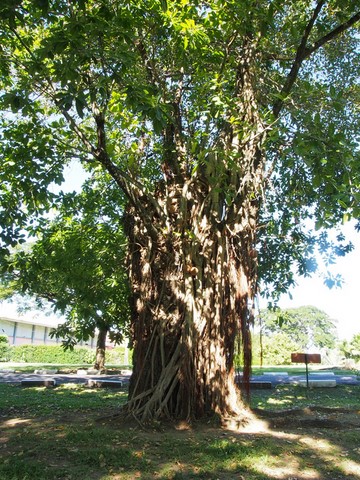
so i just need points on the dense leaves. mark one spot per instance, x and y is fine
(309, 327)
(77, 266)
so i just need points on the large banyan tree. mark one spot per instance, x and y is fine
(226, 125)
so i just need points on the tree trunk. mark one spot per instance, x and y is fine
(192, 266)
(191, 284)
(100, 349)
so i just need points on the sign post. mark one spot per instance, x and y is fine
(306, 358)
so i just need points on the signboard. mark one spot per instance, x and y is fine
(306, 358)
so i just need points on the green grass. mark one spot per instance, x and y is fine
(284, 397)
(63, 399)
(65, 433)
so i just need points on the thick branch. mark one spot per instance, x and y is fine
(303, 52)
(300, 56)
(333, 34)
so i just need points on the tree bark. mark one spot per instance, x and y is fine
(191, 286)
(100, 349)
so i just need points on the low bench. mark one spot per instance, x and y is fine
(38, 382)
(260, 384)
(45, 371)
(90, 371)
(104, 383)
(319, 382)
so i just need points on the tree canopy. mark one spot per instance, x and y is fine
(307, 326)
(230, 129)
(77, 265)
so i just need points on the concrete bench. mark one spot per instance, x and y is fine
(45, 371)
(319, 383)
(277, 374)
(38, 382)
(90, 371)
(260, 384)
(104, 383)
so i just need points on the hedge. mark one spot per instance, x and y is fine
(51, 354)
(116, 356)
(4, 352)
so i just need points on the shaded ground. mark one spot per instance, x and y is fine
(70, 433)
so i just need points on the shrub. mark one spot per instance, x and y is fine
(51, 354)
(116, 356)
(4, 348)
(4, 339)
(277, 349)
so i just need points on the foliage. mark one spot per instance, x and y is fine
(4, 339)
(51, 354)
(77, 265)
(117, 356)
(307, 327)
(275, 349)
(59, 91)
(351, 349)
(4, 348)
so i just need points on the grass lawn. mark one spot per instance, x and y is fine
(69, 432)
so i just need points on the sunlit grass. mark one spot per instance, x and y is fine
(65, 398)
(294, 396)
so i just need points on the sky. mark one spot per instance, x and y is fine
(341, 304)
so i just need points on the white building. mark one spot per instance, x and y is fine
(21, 331)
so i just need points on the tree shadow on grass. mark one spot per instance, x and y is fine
(70, 444)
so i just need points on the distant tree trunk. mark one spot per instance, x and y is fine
(100, 349)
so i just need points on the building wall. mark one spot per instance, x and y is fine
(25, 333)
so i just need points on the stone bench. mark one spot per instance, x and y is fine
(90, 371)
(45, 371)
(260, 384)
(318, 383)
(38, 382)
(104, 383)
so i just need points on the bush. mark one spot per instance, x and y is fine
(51, 354)
(277, 349)
(4, 339)
(116, 356)
(4, 348)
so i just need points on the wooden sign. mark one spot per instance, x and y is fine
(306, 358)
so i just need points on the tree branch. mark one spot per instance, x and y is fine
(333, 34)
(300, 56)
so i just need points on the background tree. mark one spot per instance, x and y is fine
(77, 265)
(307, 326)
(226, 125)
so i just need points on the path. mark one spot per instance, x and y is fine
(274, 378)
